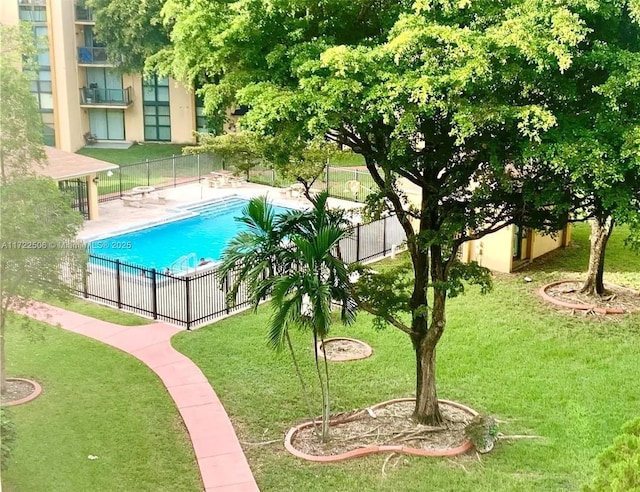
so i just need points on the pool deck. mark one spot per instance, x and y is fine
(114, 217)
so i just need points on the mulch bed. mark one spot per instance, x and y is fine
(390, 425)
(617, 298)
(16, 390)
(342, 349)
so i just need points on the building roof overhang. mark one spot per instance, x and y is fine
(62, 165)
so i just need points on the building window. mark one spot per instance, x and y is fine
(42, 90)
(35, 13)
(202, 122)
(157, 114)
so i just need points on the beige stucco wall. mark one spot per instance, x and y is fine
(494, 251)
(543, 244)
(8, 13)
(183, 113)
(133, 115)
(64, 68)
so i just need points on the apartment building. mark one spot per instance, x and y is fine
(79, 92)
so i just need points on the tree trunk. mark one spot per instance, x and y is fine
(427, 410)
(305, 392)
(324, 392)
(600, 232)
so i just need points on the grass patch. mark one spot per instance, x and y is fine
(347, 159)
(568, 379)
(135, 153)
(95, 401)
(98, 311)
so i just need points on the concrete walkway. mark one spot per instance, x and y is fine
(222, 463)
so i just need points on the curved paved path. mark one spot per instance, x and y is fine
(223, 466)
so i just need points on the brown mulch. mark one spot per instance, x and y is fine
(16, 390)
(616, 298)
(392, 426)
(344, 349)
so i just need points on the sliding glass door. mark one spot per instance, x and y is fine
(107, 124)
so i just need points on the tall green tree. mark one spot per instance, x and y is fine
(292, 258)
(131, 31)
(39, 253)
(442, 94)
(20, 121)
(37, 223)
(596, 141)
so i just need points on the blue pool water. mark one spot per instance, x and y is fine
(205, 235)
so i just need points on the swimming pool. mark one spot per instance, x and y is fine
(202, 235)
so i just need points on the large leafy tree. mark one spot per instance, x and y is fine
(37, 223)
(442, 94)
(39, 253)
(20, 122)
(132, 31)
(292, 258)
(596, 141)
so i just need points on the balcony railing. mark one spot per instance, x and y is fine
(84, 14)
(105, 97)
(88, 55)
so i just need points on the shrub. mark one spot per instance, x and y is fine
(619, 465)
(7, 437)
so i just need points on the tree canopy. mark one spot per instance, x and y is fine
(132, 31)
(20, 120)
(595, 142)
(458, 98)
(38, 225)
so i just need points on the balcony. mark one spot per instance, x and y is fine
(88, 55)
(92, 97)
(84, 15)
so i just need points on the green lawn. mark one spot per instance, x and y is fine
(347, 159)
(98, 311)
(135, 153)
(96, 401)
(570, 379)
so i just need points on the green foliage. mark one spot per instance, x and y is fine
(8, 436)
(496, 349)
(291, 258)
(619, 465)
(389, 291)
(121, 25)
(462, 100)
(240, 151)
(468, 273)
(38, 238)
(243, 151)
(21, 137)
(40, 253)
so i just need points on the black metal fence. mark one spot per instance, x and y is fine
(340, 182)
(168, 172)
(199, 296)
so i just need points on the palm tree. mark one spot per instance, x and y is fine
(292, 257)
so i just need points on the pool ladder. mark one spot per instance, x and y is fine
(184, 264)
